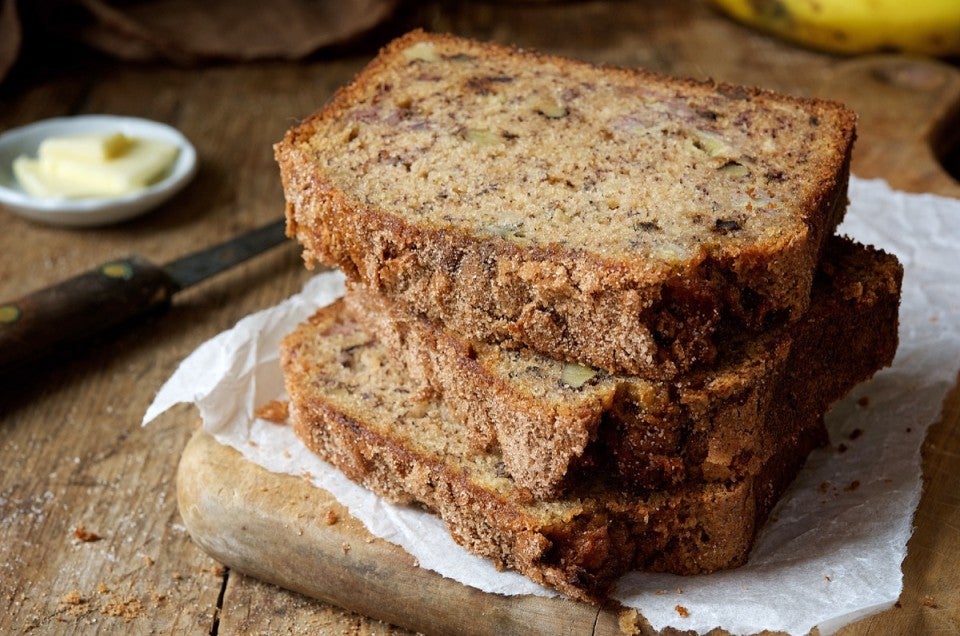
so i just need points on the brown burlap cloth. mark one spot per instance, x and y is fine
(189, 31)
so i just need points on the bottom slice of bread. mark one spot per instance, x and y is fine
(354, 405)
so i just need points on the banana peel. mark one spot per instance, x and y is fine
(923, 27)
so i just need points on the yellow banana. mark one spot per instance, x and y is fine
(926, 27)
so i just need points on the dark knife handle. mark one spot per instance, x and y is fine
(78, 308)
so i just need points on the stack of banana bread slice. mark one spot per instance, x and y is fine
(594, 316)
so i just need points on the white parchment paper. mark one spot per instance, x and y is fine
(831, 553)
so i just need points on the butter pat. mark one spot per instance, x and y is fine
(89, 148)
(142, 164)
(37, 183)
(97, 165)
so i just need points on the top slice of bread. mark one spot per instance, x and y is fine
(614, 217)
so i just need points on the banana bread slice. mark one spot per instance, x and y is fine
(553, 420)
(352, 404)
(607, 216)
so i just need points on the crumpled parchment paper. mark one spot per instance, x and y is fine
(830, 554)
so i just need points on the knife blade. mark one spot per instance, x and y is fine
(112, 294)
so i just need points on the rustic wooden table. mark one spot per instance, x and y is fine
(90, 536)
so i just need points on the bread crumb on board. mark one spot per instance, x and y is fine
(627, 621)
(928, 601)
(81, 533)
(125, 607)
(74, 604)
(73, 597)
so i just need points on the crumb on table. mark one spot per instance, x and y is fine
(81, 533)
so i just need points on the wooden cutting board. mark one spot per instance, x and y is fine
(280, 529)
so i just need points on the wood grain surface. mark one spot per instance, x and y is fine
(91, 540)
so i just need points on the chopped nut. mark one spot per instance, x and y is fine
(482, 136)
(331, 518)
(712, 144)
(576, 375)
(682, 611)
(422, 51)
(417, 409)
(734, 169)
(550, 108)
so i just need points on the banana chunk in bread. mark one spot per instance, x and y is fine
(357, 408)
(612, 217)
(552, 421)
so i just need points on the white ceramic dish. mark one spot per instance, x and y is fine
(90, 211)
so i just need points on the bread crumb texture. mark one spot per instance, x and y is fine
(350, 403)
(551, 425)
(604, 216)
(614, 162)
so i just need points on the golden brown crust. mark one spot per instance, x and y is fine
(357, 408)
(353, 406)
(668, 229)
(645, 315)
(708, 427)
